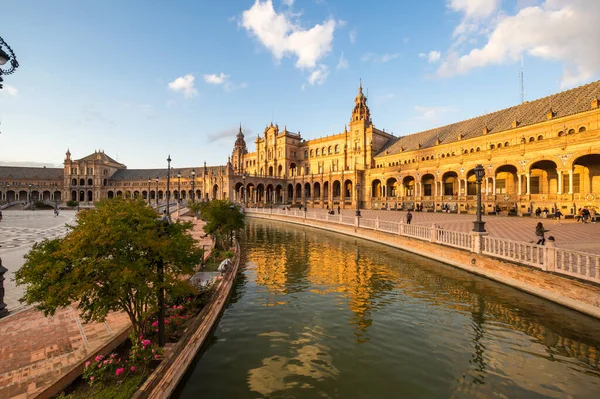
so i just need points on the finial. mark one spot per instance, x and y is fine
(360, 80)
(240, 127)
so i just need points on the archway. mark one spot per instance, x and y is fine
(587, 168)
(73, 195)
(290, 192)
(46, 196)
(307, 190)
(391, 187)
(337, 189)
(280, 171)
(215, 191)
(450, 184)
(543, 178)
(260, 193)
(428, 185)
(298, 191)
(408, 186)
(81, 196)
(90, 196)
(376, 188)
(317, 191)
(279, 194)
(57, 196)
(270, 198)
(507, 181)
(11, 196)
(326, 191)
(293, 170)
(270, 171)
(111, 194)
(348, 190)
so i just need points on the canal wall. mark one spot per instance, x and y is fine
(164, 380)
(577, 295)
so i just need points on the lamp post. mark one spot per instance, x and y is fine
(6, 56)
(178, 191)
(304, 195)
(357, 199)
(193, 184)
(479, 226)
(29, 196)
(156, 196)
(168, 183)
(244, 191)
(149, 182)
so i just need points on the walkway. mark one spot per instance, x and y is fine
(36, 351)
(568, 234)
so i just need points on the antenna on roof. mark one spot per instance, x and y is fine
(522, 82)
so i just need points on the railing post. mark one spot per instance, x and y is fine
(477, 241)
(3, 309)
(377, 223)
(356, 221)
(401, 227)
(433, 235)
(549, 264)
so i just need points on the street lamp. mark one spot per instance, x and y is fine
(168, 182)
(6, 57)
(178, 191)
(29, 197)
(479, 226)
(244, 191)
(357, 200)
(149, 182)
(304, 200)
(193, 183)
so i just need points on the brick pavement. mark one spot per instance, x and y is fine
(568, 234)
(36, 351)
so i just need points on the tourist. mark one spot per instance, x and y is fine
(408, 217)
(339, 209)
(545, 213)
(557, 215)
(593, 215)
(579, 216)
(586, 214)
(539, 232)
(538, 212)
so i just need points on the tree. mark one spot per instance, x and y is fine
(222, 218)
(108, 262)
(195, 207)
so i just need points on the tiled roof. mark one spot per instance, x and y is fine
(20, 172)
(144, 174)
(562, 104)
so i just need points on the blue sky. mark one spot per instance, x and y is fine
(145, 79)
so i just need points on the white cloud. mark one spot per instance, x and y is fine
(11, 90)
(288, 3)
(432, 114)
(559, 30)
(379, 59)
(474, 8)
(282, 37)
(352, 36)
(318, 75)
(342, 63)
(184, 84)
(432, 56)
(216, 79)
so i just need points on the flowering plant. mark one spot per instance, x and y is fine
(143, 352)
(102, 368)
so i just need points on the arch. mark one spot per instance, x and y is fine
(145, 194)
(73, 195)
(81, 196)
(587, 168)
(506, 144)
(581, 129)
(136, 194)
(57, 196)
(270, 171)
(293, 171)
(82, 182)
(312, 153)
(279, 193)
(561, 133)
(408, 186)
(450, 183)
(540, 137)
(306, 190)
(499, 145)
(215, 191)
(280, 170)
(376, 191)
(269, 194)
(298, 192)
(198, 195)
(337, 189)
(391, 187)
(11, 196)
(305, 154)
(290, 192)
(326, 191)
(543, 177)
(329, 150)
(73, 182)
(477, 149)
(46, 195)
(90, 182)
(90, 196)
(317, 190)
(105, 182)
(111, 194)
(492, 146)
(127, 194)
(571, 131)
(160, 195)
(507, 180)
(348, 189)
(427, 184)
(337, 149)
(531, 139)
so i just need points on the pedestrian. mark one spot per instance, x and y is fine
(557, 215)
(586, 215)
(408, 217)
(593, 215)
(339, 209)
(539, 232)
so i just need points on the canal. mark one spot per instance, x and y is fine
(321, 315)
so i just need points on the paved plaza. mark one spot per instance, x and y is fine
(568, 234)
(19, 230)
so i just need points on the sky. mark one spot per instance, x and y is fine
(144, 79)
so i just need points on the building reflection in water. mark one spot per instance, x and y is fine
(366, 281)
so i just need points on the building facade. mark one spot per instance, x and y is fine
(543, 153)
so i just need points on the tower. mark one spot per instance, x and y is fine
(360, 125)
(239, 151)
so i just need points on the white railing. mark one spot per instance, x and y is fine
(521, 252)
(581, 265)
(454, 238)
(578, 264)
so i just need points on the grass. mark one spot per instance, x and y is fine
(125, 390)
(215, 259)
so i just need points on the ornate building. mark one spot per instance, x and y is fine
(543, 153)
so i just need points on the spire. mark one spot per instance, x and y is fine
(361, 111)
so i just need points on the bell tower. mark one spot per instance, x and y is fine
(239, 152)
(360, 124)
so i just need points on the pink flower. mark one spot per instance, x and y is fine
(189, 299)
(132, 368)
(180, 307)
(87, 364)
(153, 351)
(98, 358)
(155, 324)
(92, 378)
(157, 330)
(106, 361)
(167, 321)
(146, 342)
(119, 371)
(155, 357)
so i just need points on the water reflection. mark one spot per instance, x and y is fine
(321, 315)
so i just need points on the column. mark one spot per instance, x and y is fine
(560, 182)
(528, 176)
(519, 184)
(494, 185)
(459, 184)
(570, 181)
(436, 188)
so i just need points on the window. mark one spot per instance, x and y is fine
(571, 131)
(492, 146)
(576, 183)
(305, 154)
(582, 129)
(329, 150)
(471, 188)
(561, 133)
(506, 144)
(317, 152)
(312, 154)
(534, 185)
(531, 139)
(540, 137)
(427, 190)
(500, 186)
(337, 149)
(448, 189)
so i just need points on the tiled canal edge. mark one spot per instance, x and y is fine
(573, 294)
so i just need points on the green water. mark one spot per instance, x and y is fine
(320, 315)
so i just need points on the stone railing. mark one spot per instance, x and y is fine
(584, 266)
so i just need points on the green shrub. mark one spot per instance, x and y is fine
(72, 203)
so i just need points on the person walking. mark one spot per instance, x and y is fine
(557, 215)
(540, 233)
(339, 209)
(408, 217)
(593, 215)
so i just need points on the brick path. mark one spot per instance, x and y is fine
(36, 351)
(568, 234)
